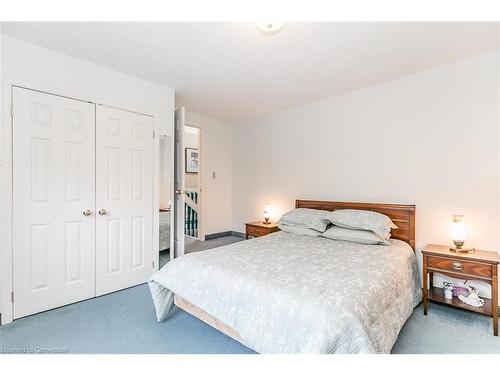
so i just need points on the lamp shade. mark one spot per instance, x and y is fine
(458, 230)
(267, 213)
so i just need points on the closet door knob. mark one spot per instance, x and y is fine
(87, 212)
(103, 212)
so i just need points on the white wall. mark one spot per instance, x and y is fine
(40, 68)
(215, 156)
(430, 139)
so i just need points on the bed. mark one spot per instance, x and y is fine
(289, 293)
(164, 230)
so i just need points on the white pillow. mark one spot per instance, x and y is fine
(365, 237)
(307, 218)
(378, 223)
(303, 231)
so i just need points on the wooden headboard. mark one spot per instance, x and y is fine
(403, 215)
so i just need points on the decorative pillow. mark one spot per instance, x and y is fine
(303, 231)
(378, 223)
(307, 218)
(365, 237)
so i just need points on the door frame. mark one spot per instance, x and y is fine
(6, 167)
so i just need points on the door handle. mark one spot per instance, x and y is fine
(87, 212)
(103, 212)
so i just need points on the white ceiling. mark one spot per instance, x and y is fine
(232, 71)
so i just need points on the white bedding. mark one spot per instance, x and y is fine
(287, 293)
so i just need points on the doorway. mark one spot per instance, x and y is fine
(187, 202)
(192, 185)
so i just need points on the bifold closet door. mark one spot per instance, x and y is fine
(53, 201)
(124, 199)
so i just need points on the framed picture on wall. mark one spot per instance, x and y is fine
(192, 160)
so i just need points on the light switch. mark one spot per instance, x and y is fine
(213, 175)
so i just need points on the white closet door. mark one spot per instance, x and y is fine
(124, 199)
(53, 184)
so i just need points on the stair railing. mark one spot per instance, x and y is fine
(191, 210)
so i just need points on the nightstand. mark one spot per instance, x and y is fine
(480, 265)
(258, 229)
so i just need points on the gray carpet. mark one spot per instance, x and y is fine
(192, 245)
(124, 322)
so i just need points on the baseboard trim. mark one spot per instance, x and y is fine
(224, 234)
(217, 235)
(238, 234)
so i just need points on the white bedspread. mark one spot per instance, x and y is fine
(286, 293)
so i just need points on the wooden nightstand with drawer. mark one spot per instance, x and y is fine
(480, 265)
(258, 229)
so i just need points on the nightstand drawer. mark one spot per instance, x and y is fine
(460, 266)
(257, 231)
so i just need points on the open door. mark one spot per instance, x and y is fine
(179, 185)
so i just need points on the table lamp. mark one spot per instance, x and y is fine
(459, 234)
(267, 210)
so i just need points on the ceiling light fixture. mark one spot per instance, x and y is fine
(270, 28)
